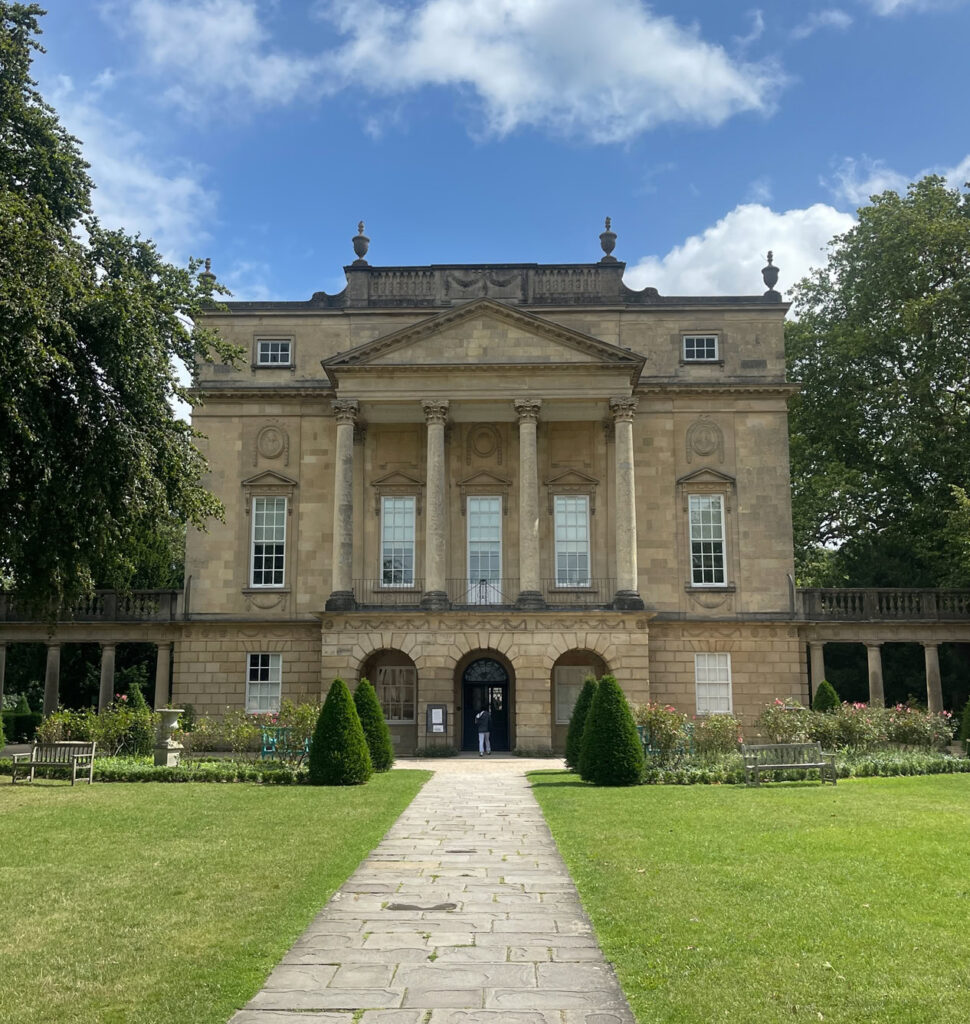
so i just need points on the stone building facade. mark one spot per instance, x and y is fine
(480, 483)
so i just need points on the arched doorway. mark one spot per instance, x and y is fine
(485, 682)
(395, 681)
(568, 676)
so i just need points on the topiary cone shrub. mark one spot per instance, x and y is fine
(612, 754)
(338, 750)
(577, 723)
(825, 699)
(375, 728)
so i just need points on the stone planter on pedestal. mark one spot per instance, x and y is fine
(167, 750)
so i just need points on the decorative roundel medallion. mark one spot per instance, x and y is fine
(705, 439)
(484, 442)
(271, 442)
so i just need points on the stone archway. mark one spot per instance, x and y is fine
(568, 674)
(395, 679)
(485, 677)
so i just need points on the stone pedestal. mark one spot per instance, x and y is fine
(167, 750)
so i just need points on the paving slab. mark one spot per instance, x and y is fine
(464, 914)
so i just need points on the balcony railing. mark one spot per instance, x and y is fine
(883, 604)
(471, 593)
(377, 593)
(578, 593)
(105, 606)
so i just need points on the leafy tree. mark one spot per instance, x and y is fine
(374, 725)
(612, 754)
(825, 699)
(577, 723)
(880, 430)
(93, 461)
(338, 750)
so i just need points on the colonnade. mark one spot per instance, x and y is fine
(52, 673)
(527, 410)
(877, 692)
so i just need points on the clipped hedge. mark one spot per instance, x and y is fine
(577, 722)
(612, 754)
(338, 751)
(375, 728)
(826, 699)
(138, 769)
(20, 726)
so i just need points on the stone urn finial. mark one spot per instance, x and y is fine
(769, 274)
(361, 242)
(207, 279)
(608, 243)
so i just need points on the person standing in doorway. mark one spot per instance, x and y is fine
(484, 722)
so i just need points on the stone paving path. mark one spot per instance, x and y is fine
(464, 914)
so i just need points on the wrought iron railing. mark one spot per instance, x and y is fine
(563, 593)
(104, 606)
(471, 593)
(883, 604)
(383, 594)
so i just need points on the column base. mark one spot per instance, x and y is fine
(435, 601)
(531, 600)
(627, 601)
(341, 601)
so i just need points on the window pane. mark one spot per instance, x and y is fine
(397, 542)
(263, 683)
(396, 690)
(569, 681)
(707, 540)
(484, 550)
(269, 541)
(571, 514)
(273, 352)
(712, 679)
(700, 347)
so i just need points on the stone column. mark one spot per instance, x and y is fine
(934, 689)
(435, 516)
(877, 695)
(52, 678)
(816, 654)
(3, 669)
(163, 653)
(627, 582)
(530, 592)
(342, 565)
(107, 676)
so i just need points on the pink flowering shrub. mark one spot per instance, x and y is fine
(715, 735)
(666, 727)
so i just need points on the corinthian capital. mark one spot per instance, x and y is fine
(623, 408)
(435, 410)
(527, 409)
(345, 410)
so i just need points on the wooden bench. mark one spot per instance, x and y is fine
(764, 757)
(73, 754)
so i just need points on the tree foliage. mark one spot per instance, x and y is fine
(374, 725)
(612, 754)
(880, 431)
(94, 465)
(577, 723)
(338, 750)
(825, 699)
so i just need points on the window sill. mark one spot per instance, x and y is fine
(282, 589)
(717, 588)
(701, 362)
(272, 366)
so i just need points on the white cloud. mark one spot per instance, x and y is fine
(856, 180)
(757, 29)
(218, 50)
(136, 188)
(605, 72)
(831, 18)
(887, 8)
(726, 259)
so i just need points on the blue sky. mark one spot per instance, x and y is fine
(259, 132)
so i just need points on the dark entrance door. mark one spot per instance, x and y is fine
(485, 683)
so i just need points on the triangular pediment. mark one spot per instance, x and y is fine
(269, 479)
(707, 476)
(572, 478)
(485, 332)
(397, 479)
(484, 478)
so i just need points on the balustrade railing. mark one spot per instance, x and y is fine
(561, 593)
(381, 594)
(104, 606)
(474, 593)
(883, 604)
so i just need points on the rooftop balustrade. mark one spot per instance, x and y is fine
(105, 606)
(881, 604)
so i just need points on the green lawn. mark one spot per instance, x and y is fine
(786, 903)
(145, 903)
